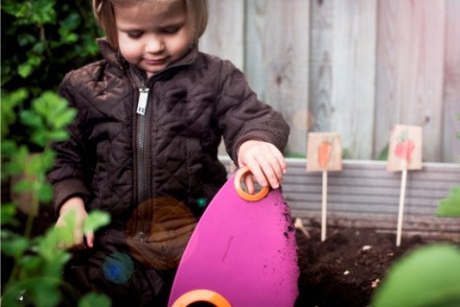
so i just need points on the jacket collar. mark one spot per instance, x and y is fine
(110, 54)
(114, 57)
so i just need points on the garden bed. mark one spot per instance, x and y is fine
(345, 269)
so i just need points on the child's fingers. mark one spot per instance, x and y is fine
(89, 239)
(271, 168)
(249, 182)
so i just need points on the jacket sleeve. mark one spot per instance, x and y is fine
(242, 117)
(70, 170)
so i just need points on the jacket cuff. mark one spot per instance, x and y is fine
(68, 188)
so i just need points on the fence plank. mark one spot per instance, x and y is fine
(224, 35)
(277, 52)
(353, 66)
(321, 75)
(410, 70)
(451, 147)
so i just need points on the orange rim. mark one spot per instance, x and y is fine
(246, 196)
(201, 295)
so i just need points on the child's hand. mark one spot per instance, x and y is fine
(265, 161)
(77, 205)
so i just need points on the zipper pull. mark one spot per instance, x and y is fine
(142, 103)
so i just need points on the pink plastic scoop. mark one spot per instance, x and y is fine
(241, 254)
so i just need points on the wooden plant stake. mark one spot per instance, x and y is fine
(402, 196)
(405, 153)
(324, 154)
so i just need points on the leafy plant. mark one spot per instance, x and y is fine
(45, 39)
(450, 206)
(38, 261)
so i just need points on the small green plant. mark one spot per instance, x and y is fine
(450, 206)
(38, 261)
(426, 277)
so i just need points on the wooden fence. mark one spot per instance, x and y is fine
(355, 67)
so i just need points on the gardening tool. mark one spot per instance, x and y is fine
(242, 252)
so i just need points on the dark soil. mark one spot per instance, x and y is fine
(347, 267)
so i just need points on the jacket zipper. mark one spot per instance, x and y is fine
(140, 144)
(142, 189)
(141, 108)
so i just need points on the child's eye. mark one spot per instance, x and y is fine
(134, 34)
(170, 30)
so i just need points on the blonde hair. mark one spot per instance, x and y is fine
(197, 17)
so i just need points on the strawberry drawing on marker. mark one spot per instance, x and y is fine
(405, 147)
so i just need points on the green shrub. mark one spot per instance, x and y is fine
(41, 42)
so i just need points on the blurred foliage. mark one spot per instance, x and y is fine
(450, 206)
(426, 277)
(42, 40)
(383, 155)
(35, 278)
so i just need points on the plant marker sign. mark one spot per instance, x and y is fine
(404, 153)
(324, 153)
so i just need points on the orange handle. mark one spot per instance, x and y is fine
(246, 196)
(201, 295)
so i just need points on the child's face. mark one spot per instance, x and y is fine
(151, 35)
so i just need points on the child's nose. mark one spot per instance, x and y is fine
(154, 44)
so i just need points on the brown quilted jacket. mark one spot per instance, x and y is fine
(135, 140)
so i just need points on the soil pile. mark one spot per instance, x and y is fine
(346, 268)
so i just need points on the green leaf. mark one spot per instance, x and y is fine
(450, 206)
(45, 193)
(95, 220)
(94, 299)
(8, 148)
(13, 245)
(46, 292)
(23, 186)
(427, 277)
(7, 214)
(31, 119)
(25, 69)
(70, 23)
(48, 159)
(59, 135)
(25, 39)
(40, 137)
(8, 111)
(64, 118)
(31, 264)
(49, 245)
(383, 155)
(17, 9)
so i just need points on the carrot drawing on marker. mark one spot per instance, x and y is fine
(324, 153)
